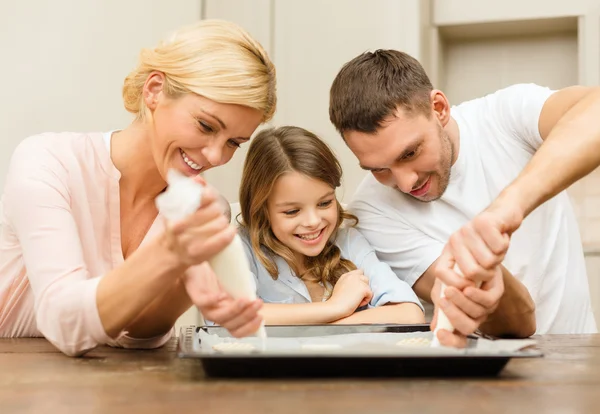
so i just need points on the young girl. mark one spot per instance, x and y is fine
(309, 270)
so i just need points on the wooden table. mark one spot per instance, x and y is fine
(36, 378)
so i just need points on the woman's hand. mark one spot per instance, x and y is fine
(239, 316)
(351, 292)
(199, 237)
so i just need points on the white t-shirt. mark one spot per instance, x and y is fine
(498, 136)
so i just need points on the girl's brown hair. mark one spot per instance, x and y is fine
(272, 153)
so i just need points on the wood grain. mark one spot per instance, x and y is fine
(36, 378)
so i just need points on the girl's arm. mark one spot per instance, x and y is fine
(389, 290)
(400, 313)
(289, 313)
(300, 313)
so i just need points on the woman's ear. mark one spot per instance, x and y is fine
(153, 89)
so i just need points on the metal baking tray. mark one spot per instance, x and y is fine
(355, 362)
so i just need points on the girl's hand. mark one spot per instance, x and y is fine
(239, 316)
(351, 292)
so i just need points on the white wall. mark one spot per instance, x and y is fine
(474, 68)
(309, 42)
(64, 61)
(256, 17)
(448, 12)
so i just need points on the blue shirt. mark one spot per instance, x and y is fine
(288, 288)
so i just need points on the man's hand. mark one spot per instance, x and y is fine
(480, 246)
(466, 309)
(468, 301)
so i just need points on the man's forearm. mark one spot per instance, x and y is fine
(515, 314)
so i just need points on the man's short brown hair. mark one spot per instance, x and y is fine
(373, 85)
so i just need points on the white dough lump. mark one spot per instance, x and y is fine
(414, 342)
(234, 347)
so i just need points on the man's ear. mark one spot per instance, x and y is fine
(440, 106)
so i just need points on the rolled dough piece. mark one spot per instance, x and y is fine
(321, 347)
(414, 342)
(231, 347)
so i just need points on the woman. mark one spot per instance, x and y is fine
(84, 257)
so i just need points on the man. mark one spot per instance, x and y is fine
(459, 186)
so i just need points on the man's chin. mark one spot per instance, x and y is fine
(427, 198)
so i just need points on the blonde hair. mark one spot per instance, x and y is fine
(213, 58)
(272, 153)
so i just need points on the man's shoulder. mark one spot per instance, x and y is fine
(517, 91)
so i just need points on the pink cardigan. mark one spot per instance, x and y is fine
(60, 233)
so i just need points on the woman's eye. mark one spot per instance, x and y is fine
(233, 144)
(205, 127)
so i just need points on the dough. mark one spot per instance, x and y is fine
(233, 347)
(414, 342)
(321, 347)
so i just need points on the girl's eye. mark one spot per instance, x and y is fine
(325, 203)
(291, 212)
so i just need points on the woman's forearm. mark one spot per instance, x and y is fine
(401, 313)
(299, 313)
(161, 314)
(129, 290)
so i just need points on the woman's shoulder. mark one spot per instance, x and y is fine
(56, 159)
(61, 146)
